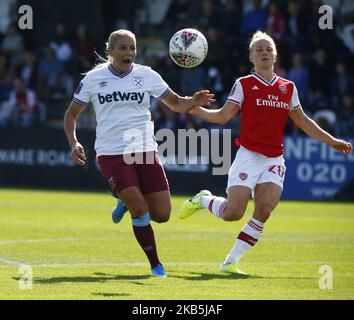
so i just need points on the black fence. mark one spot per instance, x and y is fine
(41, 157)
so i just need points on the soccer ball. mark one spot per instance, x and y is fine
(188, 48)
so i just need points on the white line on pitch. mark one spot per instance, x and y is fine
(24, 241)
(11, 263)
(27, 241)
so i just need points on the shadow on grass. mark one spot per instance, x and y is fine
(197, 276)
(211, 276)
(108, 295)
(101, 277)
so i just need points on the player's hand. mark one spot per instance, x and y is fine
(342, 146)
(78, 154)
(204, 98)
(193, 111)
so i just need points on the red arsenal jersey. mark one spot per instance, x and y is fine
(265, 107)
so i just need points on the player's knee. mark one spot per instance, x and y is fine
(161, 213)
(137, 208)
(162, 217)
(263, 211)
(232, 214)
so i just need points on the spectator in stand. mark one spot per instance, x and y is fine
(207, 14)
(171, 73)
(296, 26)
(317, 101)
(60, 44)
(83, 48)
(275, 21)
(178, 14)
(7, 76)
(216, 55)
(12, 45)
(29, 71)
(299, 74)
(342, 82)
(51, 79)
(345, 123)
(255, 19)
(229, 21)
(320, 73)
(247, 5)
(22, 106)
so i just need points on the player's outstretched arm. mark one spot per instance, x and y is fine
(312, 129)
(70, 118)
(218, 116)
(183, 104)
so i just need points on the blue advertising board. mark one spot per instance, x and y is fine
(315, 171)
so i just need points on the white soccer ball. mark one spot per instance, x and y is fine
(188, 48)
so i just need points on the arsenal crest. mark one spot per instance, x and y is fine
(283, 89)
(243, 176)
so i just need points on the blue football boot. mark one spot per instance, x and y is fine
(159, 271)
(118, 212)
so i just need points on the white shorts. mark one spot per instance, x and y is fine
(251, 168)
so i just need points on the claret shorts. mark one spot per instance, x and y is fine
(146, 173)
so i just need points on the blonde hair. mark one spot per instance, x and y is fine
(260, 35)
(109, 45)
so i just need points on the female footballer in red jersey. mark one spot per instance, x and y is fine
(265, 102)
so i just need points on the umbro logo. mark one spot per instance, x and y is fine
(255, 88)
(103, 84)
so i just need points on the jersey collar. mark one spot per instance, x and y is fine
(264, 81)
(120, 75)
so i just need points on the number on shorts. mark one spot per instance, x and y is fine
(277, 170)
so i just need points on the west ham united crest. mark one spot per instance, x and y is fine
(138, 81)
(283, 89)
(112, 183)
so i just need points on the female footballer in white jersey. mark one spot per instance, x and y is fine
(265, 102)
(120, 92)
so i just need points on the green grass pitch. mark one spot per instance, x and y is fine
(76, 252)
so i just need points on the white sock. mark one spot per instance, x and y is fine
(246, 239)
(216, 205)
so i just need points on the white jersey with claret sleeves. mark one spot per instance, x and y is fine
(121, 103)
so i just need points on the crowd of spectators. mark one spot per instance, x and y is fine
(320, 62)
(32, 83)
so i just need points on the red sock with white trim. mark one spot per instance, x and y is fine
(216, 205)
(246, 239)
